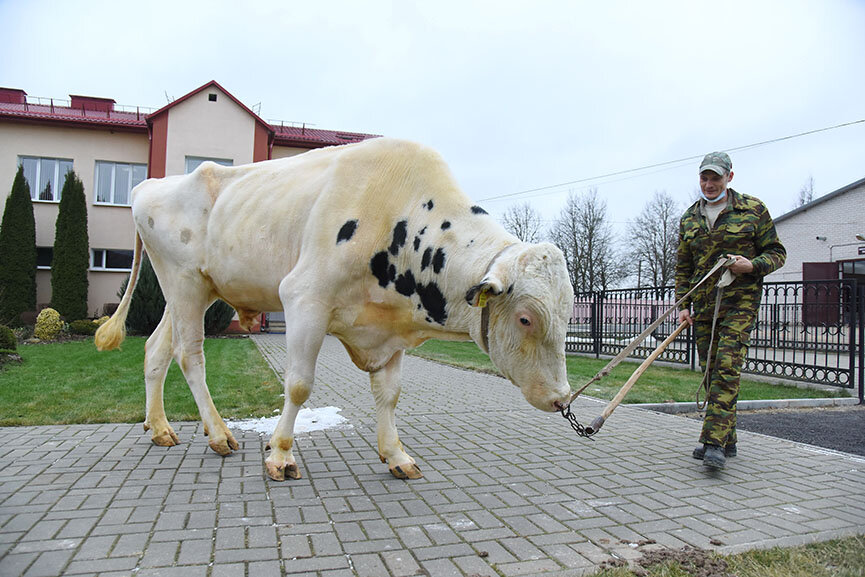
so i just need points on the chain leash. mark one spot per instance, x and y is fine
(581, 431)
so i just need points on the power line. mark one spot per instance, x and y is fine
(667, 163)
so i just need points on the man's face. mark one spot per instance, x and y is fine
(713, 184)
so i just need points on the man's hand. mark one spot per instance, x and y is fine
(742, 264)
(685, 315)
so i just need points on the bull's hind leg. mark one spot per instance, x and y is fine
(385, 390)
(187, 314)
(157, 358)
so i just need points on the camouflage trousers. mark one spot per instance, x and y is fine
(732, 335)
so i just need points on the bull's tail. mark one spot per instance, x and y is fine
(111, 334)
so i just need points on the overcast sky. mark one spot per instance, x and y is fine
(515, 95)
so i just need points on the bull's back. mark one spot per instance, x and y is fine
(250, 226)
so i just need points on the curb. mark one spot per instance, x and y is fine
(691, 407)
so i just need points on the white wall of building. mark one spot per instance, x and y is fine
(201, 128)
(286, 151)
(838, 219)
(109, 227)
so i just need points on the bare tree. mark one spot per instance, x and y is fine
(654, 237)
(523, 221)
(806, 193)
(586, 239)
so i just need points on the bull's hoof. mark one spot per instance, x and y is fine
(410, 471)
(223, 446)
(283, 472)
(165, 439)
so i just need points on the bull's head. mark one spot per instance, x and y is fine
(529, 299)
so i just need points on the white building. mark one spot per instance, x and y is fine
(113, 148)
(825, 239)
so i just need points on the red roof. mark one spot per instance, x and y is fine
(314, 137)
(301, 137)
(67, 115)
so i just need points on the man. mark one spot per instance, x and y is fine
(724, 223)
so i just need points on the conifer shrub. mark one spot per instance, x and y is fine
(148, 305)
(83, 327)
(48, 325)
(8, 342)
(71, 252)
(218, 317)
(17, 254)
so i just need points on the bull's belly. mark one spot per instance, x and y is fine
(245, 293)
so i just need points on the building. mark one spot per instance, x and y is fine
(113, 148)
(825, 239)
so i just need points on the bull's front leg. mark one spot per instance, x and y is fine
(385, 390)
(305, 330)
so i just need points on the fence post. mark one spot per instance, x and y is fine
(596, 323)
(860, 306)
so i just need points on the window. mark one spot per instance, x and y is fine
(193, 162)
(115, 181)
(45, 176)
(44, 256)
(110, 259)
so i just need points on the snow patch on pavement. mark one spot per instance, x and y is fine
(308, 420)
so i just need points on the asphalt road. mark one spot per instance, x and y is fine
(841, 429)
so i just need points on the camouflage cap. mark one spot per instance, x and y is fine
(717, 162)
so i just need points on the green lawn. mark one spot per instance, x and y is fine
(657, 385)
(71, 382)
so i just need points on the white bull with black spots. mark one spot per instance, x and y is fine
(373, 243)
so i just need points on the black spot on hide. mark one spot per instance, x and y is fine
(428, 205)
(438, 261)
(399, 235)
(423, 230)
(379, 267)
(425, 260)
(405, 284)
(347, 231)
(510, 289)
(478, 210)
(446, 225)
(416, 243)
(433, 301)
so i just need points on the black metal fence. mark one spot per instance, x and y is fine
(807, 331)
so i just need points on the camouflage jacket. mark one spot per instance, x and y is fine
(745, 228)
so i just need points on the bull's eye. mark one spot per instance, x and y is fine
(525, 321)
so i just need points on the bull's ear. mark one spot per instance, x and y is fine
(478, 294)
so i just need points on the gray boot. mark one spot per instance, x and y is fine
(729, 451)
(713, 457)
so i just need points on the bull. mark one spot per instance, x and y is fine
(371, 242)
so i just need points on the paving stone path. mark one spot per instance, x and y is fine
(508, 490)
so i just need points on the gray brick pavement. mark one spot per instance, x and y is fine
(508, 490)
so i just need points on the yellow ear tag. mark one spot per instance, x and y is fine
(482, 299)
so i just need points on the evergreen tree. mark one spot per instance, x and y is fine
(71, 252)
(148, 304)
(17, 254)
(218, 317)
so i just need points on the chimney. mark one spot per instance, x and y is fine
(13, 96)
(92, 103)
